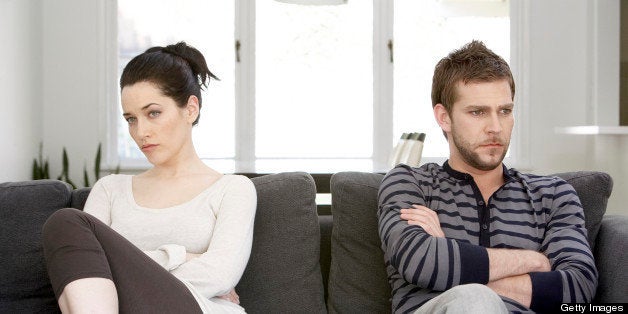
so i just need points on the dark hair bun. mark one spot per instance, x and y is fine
(194, 58)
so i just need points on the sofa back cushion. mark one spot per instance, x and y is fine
(79, 197)
(283, 273)
(357, 276)
(593, 188)
(24, 207)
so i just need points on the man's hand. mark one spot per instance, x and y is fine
(231, 296)
(424, 218)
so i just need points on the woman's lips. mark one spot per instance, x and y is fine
(148, 147)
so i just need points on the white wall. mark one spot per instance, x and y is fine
(572, 79)
(74, 83)
(558, 79)
(20, 87)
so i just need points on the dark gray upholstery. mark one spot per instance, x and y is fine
(594, 189)
(611, 260)
(283, 274)
(357, 276)
(24, 207)
(326, 223)
(358, 281)
(79, 196)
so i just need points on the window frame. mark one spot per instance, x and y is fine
(383, 89)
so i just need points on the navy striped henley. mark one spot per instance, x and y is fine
(531, 212)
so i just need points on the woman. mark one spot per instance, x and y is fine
(173, 239)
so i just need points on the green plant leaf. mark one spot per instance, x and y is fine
(66, 163)
(46, 170)
(70, 182)
(85, 176)
(97, 163)
(36, 174)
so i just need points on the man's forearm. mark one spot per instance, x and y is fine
(504, 263)
(518, 288)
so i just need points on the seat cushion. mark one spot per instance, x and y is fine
(593, 189)
(357, 276)
(24, 207)
(283, 273)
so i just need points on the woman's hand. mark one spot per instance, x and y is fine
(190, 256)
(231, 296)
(424, 218)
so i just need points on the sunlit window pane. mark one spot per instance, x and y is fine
(206, 25)
(425, 31)
(314, 80)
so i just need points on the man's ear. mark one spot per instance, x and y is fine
(192, 109)
(442, 118)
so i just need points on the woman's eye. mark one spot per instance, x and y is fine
(154, 114)
(130, 120)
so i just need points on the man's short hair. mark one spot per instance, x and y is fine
(473, 62)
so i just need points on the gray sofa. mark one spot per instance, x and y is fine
(299, 263)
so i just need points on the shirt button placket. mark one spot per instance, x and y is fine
(484, 223)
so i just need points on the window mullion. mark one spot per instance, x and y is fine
(109, 133)
(382, 82)
(245, 86)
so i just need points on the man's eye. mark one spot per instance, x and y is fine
(507, 111)
(476, 112)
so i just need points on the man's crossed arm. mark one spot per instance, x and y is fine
(508, 268)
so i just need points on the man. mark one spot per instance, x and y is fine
(472, 235)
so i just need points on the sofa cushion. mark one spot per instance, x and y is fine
(611, 260)
(357, 276)
(79, 197)
(593, 189)
(283, 273)
(24, 207)
(286, 236)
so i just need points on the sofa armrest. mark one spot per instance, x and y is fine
(611, 259)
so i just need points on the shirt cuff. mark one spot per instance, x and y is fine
(473, 263)
(176, 255)
(547, 291)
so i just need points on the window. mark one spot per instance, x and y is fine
(424, 32)
(206, 27)
(317, 88)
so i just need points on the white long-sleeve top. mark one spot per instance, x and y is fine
(218, 223)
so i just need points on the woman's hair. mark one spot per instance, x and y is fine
(178, 70)
(471, 63)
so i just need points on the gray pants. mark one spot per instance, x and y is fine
(467, 299)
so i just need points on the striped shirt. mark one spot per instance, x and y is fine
(529, 212)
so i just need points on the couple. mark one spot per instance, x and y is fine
(177, 237)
